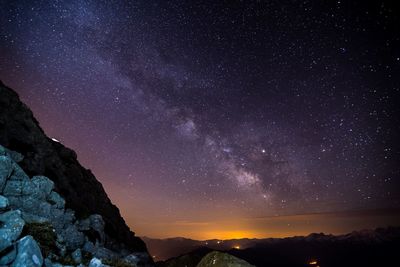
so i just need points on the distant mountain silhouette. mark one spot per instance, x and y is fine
(360, 248)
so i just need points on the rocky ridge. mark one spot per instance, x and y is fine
(36, 228)
(41, 156)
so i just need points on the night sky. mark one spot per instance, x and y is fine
(221, 118)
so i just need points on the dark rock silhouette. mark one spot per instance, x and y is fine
(21, 132)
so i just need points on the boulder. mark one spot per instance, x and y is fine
(44, 186)
(138, 258)
(16, 187)
(15, 156)
(95, 262)
(28, 253)
(56, 200)
(97, 224)
(104, 253)
(11, 225)
(220, 259)
(3, 203)
(73, 238)
(18, 173)
(77, 256)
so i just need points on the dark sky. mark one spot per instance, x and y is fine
(206, 118)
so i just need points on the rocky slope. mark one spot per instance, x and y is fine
(36, 229)
(20, 132)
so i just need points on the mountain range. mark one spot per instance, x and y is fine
(359, 248)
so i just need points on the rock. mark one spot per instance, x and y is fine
(8, 255)
(30, 218)
(5, 171)
(11, 225)
(95, 262)
(3, 203)
(97, 224)
(104, 253)
(18, 187)
(57, 218)
(18, 173)
(83, 225)
(73, 238)
(15, 156)
(56, 200)
(89, 247)
(28, 253)
(138, 258)
(26, 203)
(44, 184)
(69, 216)
(62, 249)
(77, 256)
(219, 259)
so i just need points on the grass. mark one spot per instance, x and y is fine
(44, 234)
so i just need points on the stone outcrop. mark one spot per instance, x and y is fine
(220, 259)
(36, 228)
(40, 156)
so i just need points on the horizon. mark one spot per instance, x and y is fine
(391, 219)
(217, 119)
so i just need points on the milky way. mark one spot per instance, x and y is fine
(191, 112)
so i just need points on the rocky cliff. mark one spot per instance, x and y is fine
(36, 228)
(40, 156)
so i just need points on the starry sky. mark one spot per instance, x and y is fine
(219, 118)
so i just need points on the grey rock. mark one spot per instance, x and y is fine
(45, 210)
(138, 258)
(30, 218)
(69, 216)
(97, 224)
(57, 219)
(44, 184)
(18, 188)
(28, 253)
(83, 225)
(77, 256)
(218, 258)
(56, 200)
(11, 228)
(15, 156)
(104, 253)
(18, 173)
(95, 262)
(27, 203)
(6, 168)
(61, 248)
(73, 238)
(3, 203)
(8, 255)
(89, 247)
(48, 262)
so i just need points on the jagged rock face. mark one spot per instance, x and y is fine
(20, 132)
(34, 223)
